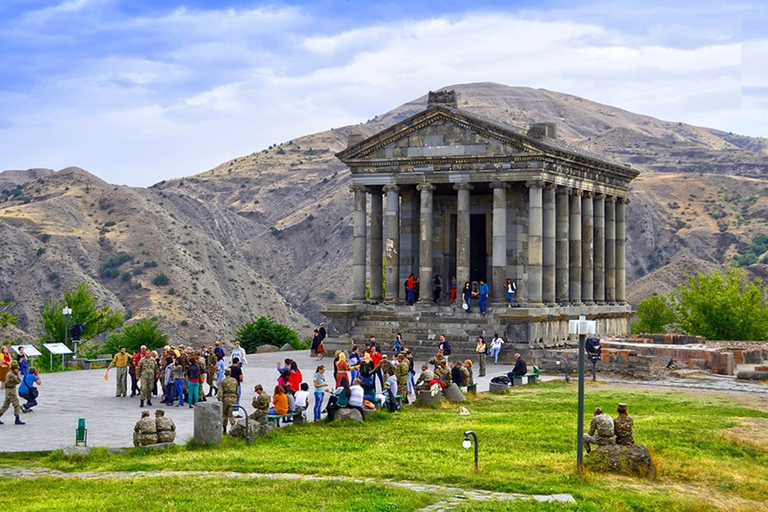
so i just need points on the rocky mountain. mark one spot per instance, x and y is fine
(270, 233)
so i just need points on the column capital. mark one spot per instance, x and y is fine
(550, 186)
(425, 186)
(599, 196)
(499, 184)
(610, 199)
(575, 192)
(463, 186)
(622, 200)
(534, 184)
(562, 190)
(587, 193)
(390, 188)
(358, 188)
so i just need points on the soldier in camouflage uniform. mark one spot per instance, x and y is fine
(385, 365)
(147, 372)
(601, 430)
(443, 373)
(401, 371)
(11, 397)
(422, 383)
(438, 360)
(228, 397)
(260, 403)
(210, 370)
(145, 430)
(622, 425)
(166, 428)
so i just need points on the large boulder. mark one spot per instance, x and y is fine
(208, 427)
(453, 393)
(347, 414)
(239, 430)
(286, 348)
(632, 460)
(494, 387)
(426, 397)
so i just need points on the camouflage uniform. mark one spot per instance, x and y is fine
(437, 361)
(145, 432)
(444, 374)
(261, 403)
(210, 370)
(11, 398)
(601, 431)
(401, 372)
(166, 430)
(467, 377)
(423, 381)
(228, 397)
(147, 371)
(385, 365)
(623, 428)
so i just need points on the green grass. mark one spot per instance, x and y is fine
(527, 445)
(202, 493)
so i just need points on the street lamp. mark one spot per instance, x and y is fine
(566, 367)
(66, 312)
(582, 327)
(467, 443)
(236, 414)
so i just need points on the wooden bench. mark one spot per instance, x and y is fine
(471, 388)
(89, 364)
(295, 417)
(531, 377)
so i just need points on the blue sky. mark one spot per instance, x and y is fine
(138, 91)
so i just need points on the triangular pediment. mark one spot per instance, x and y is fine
(440, 133)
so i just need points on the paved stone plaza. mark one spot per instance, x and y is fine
(67, 396)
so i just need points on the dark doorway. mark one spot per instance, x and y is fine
(478, 256)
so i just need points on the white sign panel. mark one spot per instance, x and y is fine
(57, 348)
(30, 350)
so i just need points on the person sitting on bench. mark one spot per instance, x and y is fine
(519, 370)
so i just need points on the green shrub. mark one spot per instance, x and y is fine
(266, 331)
(161, 280)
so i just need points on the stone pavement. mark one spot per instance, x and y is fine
(67, 396)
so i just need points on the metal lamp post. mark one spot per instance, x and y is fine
(582, 327)
(248, 438)
(566, 367)
(467, 443)
(66, 312)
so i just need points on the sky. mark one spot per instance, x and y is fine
(138, 91)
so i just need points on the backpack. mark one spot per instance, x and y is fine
(446, 348)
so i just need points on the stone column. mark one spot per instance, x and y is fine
(358, 243)
(610, 249)
(392, 245)
(499, 254)
(409, 232)
(574, 247)
(549, 248)
(535, 229)
(599, 274)
(425, 243)
(587, 246)
(462, 235)
(561, 246)
(377, 231)
(621, 265)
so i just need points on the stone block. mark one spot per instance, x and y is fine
(756, 375)
(239, 430)
(286, 348)
(426, 397)
(347, 414)
(632, 460)
(498, 388)
(452, 393)
(76, 451)
(208, 423)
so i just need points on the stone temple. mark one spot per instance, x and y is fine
(449, 193)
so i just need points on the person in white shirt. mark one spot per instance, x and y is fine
(239, 353)
(356, 393)
(511, 289)
(496, 344)
(302, 398)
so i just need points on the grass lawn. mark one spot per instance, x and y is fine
(711, 452)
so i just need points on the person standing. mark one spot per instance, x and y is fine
(236, 373)
(315, 344)
(343, 370)
(411, 372)
(27, 389)
(122, 361)
(437, 288)
(482, 350)
(483, 292)
(321, 331)
(11, 398)
(453, 290)
(5, 364)
(218, 351)
(23, 361)
(135, 360)
(178, 381)
(193, 382)
(623, 425)
(398, 345)
(228, 397)
(466, 295)
(511, 289)
(147, 370)
(211, 370)
(496, 344)
(239, 354)
(354, 363)
(410, 290)
(320, 389)
(401, 373)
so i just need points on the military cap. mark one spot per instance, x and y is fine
(15, 365)
(160, 412)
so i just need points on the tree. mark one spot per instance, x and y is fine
(144, 332)
(654, 315)
(266, 331)
(722, 307)
(6, 318)
(85, 311)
